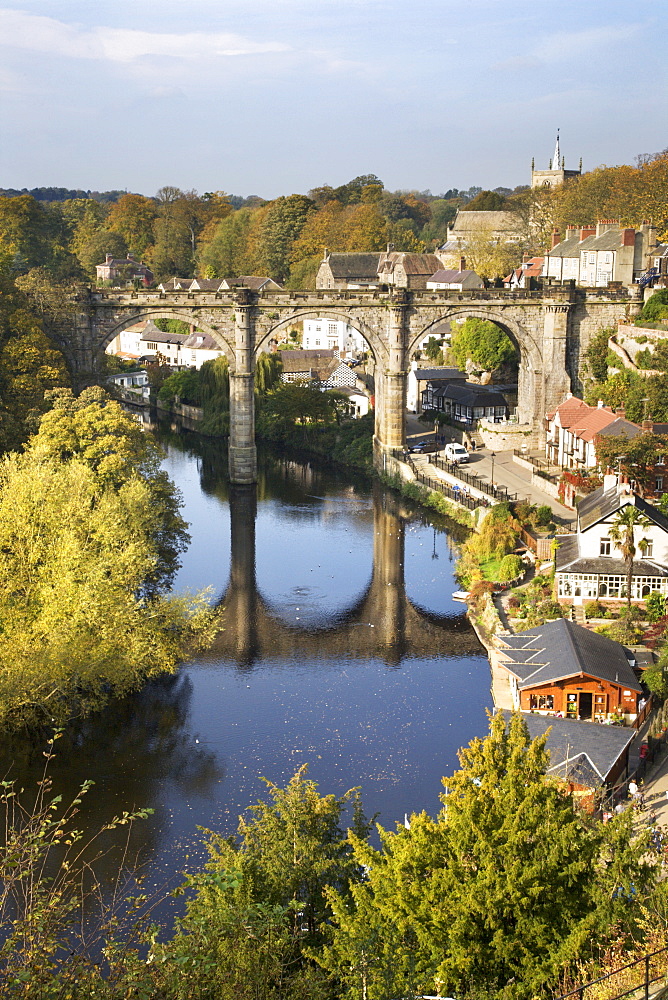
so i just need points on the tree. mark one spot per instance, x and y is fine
(495, 896)
(483, 343)
(634, 457)
(133, 217)
(225, 254)
(95, 430)
(282, 222)
(259, 907)
(622, 533)
(485, 201)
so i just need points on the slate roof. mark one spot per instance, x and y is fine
(587, 749)
(571, 246)
(621, 426)
(569, 561)
(471, 395)
(438, 374)
(207, 284)
(412, 263)
(354, 265)
(602, 503)
(202, 342)
(562, 649)
(152, 333)
(451, 277)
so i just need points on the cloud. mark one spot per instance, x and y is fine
(564, 45)
(22, 30)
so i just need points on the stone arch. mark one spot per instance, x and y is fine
(530, 376)
(376, 346)
(520, 336)
(158, 313)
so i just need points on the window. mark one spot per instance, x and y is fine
(648, 549)
(658, 484)
(331, 330)
(317, 339)
(151, 347)
(541, 703)
(606, 547)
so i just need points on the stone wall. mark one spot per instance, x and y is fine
(507, 436)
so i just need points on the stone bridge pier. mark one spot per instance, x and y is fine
(551, 329)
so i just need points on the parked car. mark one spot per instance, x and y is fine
(456, 453)
(419, 448)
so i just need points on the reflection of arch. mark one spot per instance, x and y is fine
(253, 629)
(376, 346)
(193, 320)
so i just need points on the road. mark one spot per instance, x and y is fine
(506, 472)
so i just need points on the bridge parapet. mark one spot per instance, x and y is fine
(550, 327)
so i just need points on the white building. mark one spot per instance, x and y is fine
(327, 334)
(590, 566)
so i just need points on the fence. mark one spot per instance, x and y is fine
(497, 492)
(451, 492)
(650, 969)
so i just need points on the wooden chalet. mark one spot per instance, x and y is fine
(561, 669)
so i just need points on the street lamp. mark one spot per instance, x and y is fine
(644, 402)
(493, 456)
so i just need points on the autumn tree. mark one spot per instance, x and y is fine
(225, 254)
(133, 217)
(635, 457)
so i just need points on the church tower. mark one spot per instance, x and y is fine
(557, 173)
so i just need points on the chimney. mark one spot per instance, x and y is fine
(603, 225)
(587, 231)
(109, 258)
(628, 237)
(647, 426)
(556, 237)
(621, 412)
(462, 263)
(390, 247)
(609, 481)
(600, 404)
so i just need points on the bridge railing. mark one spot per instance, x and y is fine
(497, 492)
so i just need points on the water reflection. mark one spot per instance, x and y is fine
(378, 622)
(341, 647)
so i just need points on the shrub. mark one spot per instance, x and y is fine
(543, 515)
(510, 568)
(594, 609)
(514, 601)
(655, 607)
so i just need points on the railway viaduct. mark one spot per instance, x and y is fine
(550, 328)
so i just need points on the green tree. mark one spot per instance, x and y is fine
(133, 217)
(95, 430)
(226, 254)
(281, 225)
(260, 904)
(596, 354)
(634, 457)
(483, 343)
(494, 897)
(622, 532)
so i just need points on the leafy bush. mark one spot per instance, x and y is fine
(595, 609)
(544, 515)
(510, 569)
(655, 607)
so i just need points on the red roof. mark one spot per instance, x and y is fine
(581, 420)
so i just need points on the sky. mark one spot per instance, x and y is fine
(274, 97)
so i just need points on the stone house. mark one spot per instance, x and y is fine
(407, 270)
(124, 269)
(348, 270)
(198, 348)
(256, 283)
(564, 669)
(594, 256)
(455, 281)
(589, 566)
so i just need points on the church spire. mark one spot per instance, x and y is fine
(556, 162)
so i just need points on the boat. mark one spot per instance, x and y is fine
(461, 595)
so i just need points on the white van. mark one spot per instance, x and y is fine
(456, 453)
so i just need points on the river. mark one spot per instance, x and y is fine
(341, 648)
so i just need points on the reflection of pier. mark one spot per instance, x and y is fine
(382, 622)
